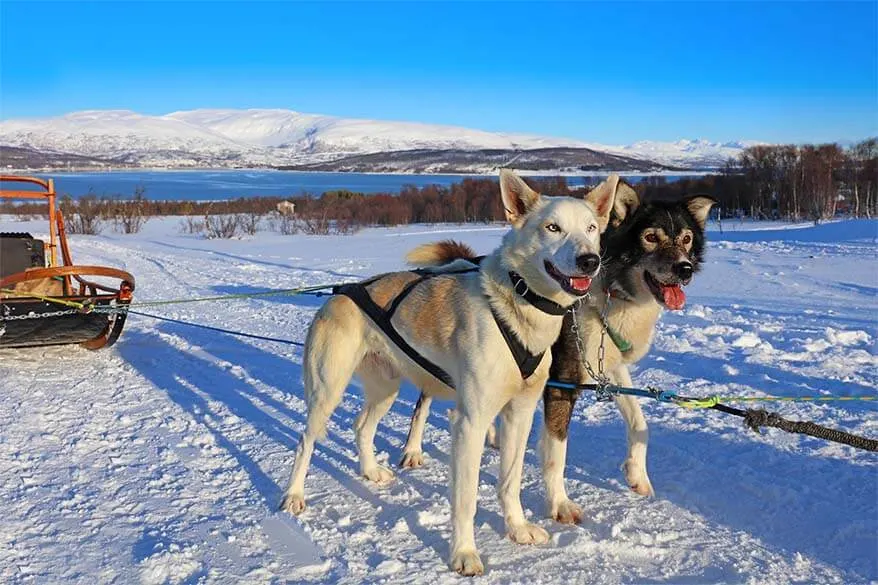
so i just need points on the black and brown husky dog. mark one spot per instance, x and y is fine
(650, 251)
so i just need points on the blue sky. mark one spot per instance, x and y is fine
(607, 72)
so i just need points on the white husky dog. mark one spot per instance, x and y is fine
(479, 337)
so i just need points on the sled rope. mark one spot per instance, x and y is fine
(761, 418)
(83, 307)
(312, 290)
(753, 418)
(218, 329)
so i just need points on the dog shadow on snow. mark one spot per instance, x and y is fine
(794, 502)
(194, 381)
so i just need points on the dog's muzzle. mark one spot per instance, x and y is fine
(683, 271)
(588, 263)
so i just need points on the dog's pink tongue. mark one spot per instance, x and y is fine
(580, 283)
(674, 296)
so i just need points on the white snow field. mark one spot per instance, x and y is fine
(162, 459)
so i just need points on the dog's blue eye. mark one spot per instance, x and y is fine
(553, 227)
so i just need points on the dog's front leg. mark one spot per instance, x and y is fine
(517, 419)
(469, 428)
(638, 436)
(557, 410)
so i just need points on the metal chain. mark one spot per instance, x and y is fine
(33, 315)
(104, 310)
(601, 379)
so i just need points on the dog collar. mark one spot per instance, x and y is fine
(542, 303)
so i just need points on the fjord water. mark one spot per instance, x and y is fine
(213, 185)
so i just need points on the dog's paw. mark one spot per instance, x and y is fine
(293, 503)
(566, 512)
(412, 459)
(467, 563)
(638, 480)
(379, 474)
(527, 533)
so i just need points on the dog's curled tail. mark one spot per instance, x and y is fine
(440, 253)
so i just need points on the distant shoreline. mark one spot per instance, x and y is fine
(527, 173)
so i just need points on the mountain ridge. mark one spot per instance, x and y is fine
(255, 137)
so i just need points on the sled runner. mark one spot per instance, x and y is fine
(44, 301)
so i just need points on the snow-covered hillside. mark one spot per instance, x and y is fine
(307, 133)
(281, 137)
(685, 153)
(117, 133)
(162, 459)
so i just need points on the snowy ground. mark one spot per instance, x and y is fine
(162, 460)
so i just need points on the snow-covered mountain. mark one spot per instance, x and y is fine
(312, 133)
(260, 137)
(685, 153)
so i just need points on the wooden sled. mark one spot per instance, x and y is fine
(37, 293)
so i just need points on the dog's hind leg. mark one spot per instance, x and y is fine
(517, 419)
(412, 455)
(638, 436)
(557, 410)
(380, 388)
(333, 350)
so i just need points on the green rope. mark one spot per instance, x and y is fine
(793, 398)
(288, 291)
(81, 306)
(711, 401)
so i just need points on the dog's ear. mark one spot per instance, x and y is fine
(699, 207)
(601, 198)
(625, 203)
(517, 197)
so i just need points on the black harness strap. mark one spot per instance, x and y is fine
(358, 293)
(526, 361)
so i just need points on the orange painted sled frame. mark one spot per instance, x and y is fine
(89, 330)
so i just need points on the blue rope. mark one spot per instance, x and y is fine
(209, 328)
(661, 396)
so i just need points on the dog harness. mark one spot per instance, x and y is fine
(526, 361)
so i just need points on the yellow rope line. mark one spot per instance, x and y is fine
(289, 291)
(64, 302)
(794, 398)
(711, 401)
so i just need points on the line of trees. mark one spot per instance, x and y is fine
(471, 200)
(811, 181)
(789, 182)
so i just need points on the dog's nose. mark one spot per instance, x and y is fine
(683, 270)
(588, 263)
